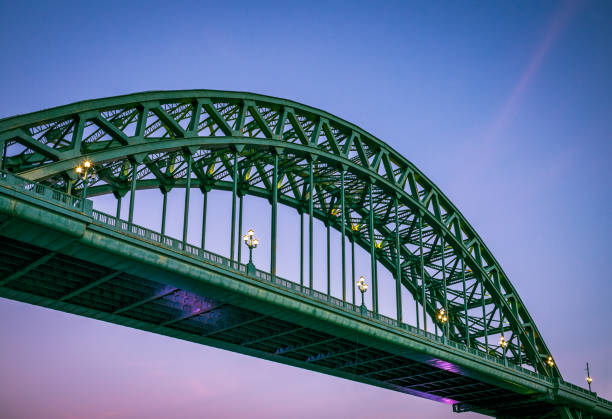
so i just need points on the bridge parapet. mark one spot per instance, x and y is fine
(571, 393)
(47, 193)
(55, 197)
(559, 391)
(223, 262)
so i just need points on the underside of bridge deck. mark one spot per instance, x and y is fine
(35, 275)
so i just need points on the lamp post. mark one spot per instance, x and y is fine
(442, 317)
(83, 172)
(251, 242)
(363, 287)
(589, 380)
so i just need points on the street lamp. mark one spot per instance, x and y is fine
(82, 172)
(251, 241)
(502, 342)
(363, 287)
(550, 361)
(589, 380)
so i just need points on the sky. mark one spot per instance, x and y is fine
(506, 106)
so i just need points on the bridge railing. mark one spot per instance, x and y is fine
(221, 261)
(584, 391)
(45, 192)
(86, 206)
(560, 383)
(166, 241)
(393, 322)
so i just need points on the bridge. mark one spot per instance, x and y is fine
(460, 334)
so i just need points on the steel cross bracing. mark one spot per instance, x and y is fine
(267, 147)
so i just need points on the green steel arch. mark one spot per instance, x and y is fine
(321, 165)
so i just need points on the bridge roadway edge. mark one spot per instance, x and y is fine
(83, 239)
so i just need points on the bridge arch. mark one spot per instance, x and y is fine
(295, 155)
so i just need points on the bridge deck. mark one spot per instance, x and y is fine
(46, 260)
(74, 285)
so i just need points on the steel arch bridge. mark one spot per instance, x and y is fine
(474, 343)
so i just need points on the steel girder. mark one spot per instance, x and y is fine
(158, 133)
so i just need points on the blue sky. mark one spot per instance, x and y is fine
(506, 106)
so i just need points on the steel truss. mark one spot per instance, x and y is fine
(298, 156)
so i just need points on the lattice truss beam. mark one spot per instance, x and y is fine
(158, 132)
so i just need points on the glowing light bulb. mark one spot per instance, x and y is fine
(441, 316)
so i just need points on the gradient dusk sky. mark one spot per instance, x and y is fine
(506, 106)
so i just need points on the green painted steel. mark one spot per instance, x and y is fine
(187, 193)
(310, 223)
(204, 208)
(298, 156)
(234, 196)
(153, 131)
(274, 217)
(343, 235)
(68, 227)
